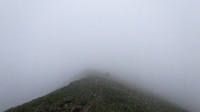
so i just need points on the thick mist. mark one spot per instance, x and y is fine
(155, 44)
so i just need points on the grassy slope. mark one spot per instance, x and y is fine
(96, 94)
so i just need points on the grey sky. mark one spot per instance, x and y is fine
(44, 42)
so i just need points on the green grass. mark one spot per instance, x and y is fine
(96, 94)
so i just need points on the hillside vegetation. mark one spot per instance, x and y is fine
(96, 93)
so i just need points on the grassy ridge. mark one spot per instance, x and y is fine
(96, 94)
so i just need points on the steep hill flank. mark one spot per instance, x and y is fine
(96, 93)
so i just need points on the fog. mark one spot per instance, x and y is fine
(153, 43)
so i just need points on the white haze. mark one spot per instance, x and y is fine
(154, 43)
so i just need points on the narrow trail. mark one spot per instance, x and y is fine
(96, 96)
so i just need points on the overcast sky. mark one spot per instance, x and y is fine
(155, 43)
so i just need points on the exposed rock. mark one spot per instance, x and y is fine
(93, 95)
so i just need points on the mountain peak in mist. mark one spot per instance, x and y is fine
(96, 92)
